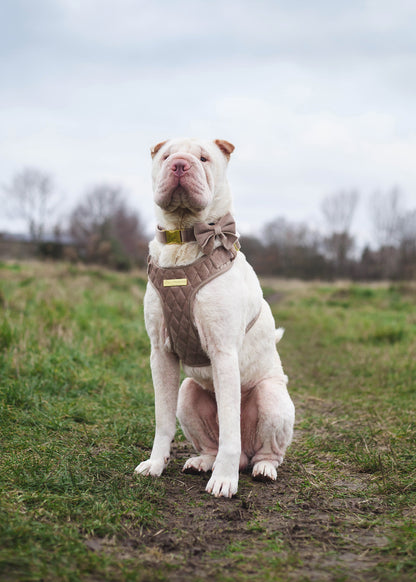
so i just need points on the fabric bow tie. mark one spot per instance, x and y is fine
(224, 229)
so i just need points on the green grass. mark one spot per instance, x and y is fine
(352, 351)
(362, 359)
(76, 415)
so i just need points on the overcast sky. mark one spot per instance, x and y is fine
(317, 96)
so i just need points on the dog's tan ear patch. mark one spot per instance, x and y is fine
(226, 147)
(157, 147)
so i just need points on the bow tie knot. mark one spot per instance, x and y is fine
(224, 230)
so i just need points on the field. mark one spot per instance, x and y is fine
(76, 416)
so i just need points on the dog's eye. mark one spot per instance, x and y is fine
(203, 159)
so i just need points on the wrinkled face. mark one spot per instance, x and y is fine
(188, 173)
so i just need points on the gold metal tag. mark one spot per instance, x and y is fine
(175, 282)
(173, 237)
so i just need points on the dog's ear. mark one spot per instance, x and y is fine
(226, 147)
(157, 147)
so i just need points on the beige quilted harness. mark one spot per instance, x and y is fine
(177, 286)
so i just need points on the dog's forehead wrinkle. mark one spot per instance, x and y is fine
(191, 146)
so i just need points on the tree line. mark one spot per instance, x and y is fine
(291, 249)
(101, 229)
(104, 229)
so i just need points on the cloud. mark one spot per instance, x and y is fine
(317, 96)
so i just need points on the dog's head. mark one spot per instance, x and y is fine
(189, 179)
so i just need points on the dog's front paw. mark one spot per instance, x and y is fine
(200, 464)
(151, 467)
(264, 471)
(222, 485)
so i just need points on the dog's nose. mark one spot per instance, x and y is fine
(179, 167)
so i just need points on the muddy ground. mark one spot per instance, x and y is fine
(317, 537)
(302, 527)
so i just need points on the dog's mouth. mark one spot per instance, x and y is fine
(181, 198)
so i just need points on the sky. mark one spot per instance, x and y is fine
(317, 97)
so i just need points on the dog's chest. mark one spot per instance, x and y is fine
(177, 287)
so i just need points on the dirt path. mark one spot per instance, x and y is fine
(296, 528)
(267, 522)
(320, 521)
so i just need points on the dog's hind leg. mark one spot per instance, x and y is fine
(197, 413)
(275, 420)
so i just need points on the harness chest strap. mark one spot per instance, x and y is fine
(177, 287)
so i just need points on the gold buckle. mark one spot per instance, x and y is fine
(173, 237)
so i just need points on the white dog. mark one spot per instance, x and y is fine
(234, 405)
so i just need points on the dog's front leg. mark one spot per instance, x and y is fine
(226, 376)
(165, 373)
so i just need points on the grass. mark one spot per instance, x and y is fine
(72, 417)
(76, 415)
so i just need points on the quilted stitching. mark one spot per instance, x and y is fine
(177, 302)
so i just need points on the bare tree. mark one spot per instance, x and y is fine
(93, 215)
(291, 249)
(31, 196)
(394, 229)
(338, 210)
(386, 210)
(107, 229)
(286, 234)
(408, 245)
(408, 225)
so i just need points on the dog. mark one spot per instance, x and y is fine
(233, 405)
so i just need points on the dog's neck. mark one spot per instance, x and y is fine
(179, 219)
(174, 255)
(170, 255)
(183, 246)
